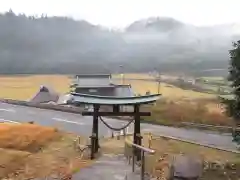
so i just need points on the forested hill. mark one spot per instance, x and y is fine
(63, 45)
(51, 44)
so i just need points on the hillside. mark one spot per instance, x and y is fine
(56, 44)
(63, 45)
(181, 45)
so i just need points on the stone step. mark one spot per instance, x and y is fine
(107, 167)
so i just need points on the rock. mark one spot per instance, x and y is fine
(186, 166)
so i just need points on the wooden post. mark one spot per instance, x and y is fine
(124, 132)
(92, 145)
(95, 142)
(143, 165)
(118, 135)
(149, 140)
(137, 139)
(116, 108)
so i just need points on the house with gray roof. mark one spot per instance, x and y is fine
(86, 80)
(100, 85)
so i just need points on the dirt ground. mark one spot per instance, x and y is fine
(112, 146)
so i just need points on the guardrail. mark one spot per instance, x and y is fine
(155, 137)
(130, 148)
(208, 126)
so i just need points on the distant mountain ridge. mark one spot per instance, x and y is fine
(154, 24)
(168, 24)
(63, 45)
(177, 42)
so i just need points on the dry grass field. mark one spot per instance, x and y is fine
(178, 105)
(28, 151)
(24, 87)
(168, 91)
(174, 113)
(25, 137)
(218, 165)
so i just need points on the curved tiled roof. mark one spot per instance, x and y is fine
(110, 100)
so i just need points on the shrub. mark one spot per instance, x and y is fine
(187, 111)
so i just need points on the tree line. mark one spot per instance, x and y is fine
(30, 44)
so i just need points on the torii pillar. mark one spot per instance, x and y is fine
(137, 138)
(115, 102)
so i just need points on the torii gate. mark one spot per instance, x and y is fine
(115, 102)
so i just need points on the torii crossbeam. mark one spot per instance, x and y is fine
(115, 102)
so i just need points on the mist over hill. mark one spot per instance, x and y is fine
(63, 45)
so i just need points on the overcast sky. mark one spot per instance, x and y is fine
(119, 13)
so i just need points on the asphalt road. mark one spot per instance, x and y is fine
(78, 124)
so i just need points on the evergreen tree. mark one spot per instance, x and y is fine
(233, 105)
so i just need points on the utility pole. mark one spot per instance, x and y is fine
(122, 74)
(122, 81)
(159, 81)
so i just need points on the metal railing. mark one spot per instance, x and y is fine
(82, 148)
(211, 126)
(130, 148)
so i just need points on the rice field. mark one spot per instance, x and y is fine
(24, 87)
(168, 91)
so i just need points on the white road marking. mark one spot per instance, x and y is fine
(8, 110)
(111, 120)
(147, 130)
(31, 112)
(67, 121)
(10, 121)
